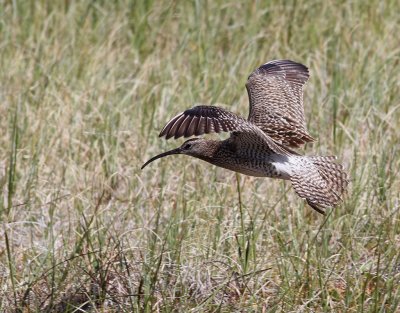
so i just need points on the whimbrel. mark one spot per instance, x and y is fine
(262, 145)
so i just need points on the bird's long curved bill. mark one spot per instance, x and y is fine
(161, 155)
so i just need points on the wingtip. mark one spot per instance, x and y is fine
(290, 70)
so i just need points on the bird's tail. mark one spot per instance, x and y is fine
(320, 181)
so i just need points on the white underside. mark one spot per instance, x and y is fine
(284, 165)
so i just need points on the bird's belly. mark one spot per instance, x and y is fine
(256, 172)
(255, 167)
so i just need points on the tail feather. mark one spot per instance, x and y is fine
(321, 181)
(332, 172)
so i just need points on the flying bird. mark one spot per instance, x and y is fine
(262, 145)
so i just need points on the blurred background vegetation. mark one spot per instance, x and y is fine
(85, 87)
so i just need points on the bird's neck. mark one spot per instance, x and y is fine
(209, 152)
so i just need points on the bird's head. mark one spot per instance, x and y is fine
(196, 147)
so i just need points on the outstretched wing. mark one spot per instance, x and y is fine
(275, 92)
(201, 120)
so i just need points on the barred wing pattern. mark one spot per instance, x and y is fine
(275, 93)
(201, 120)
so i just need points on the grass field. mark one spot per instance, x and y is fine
(85, 87)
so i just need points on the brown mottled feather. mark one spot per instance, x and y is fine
(275, 93)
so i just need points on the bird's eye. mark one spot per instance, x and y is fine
(187, 146)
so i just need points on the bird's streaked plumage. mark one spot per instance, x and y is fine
(275, 94)
(261, 145)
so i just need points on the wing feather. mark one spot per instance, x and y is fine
(201, 126)
(182, 128)
(177, 123)
(217, 127)
(192, 126)
(201, 120)
(275, 93)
